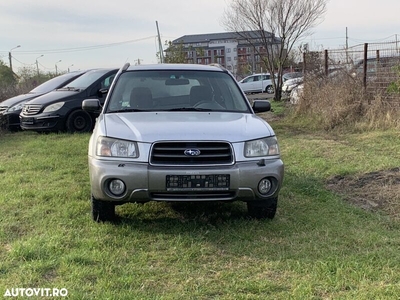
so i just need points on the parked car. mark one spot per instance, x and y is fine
(257, 83)
(181, 132)
(290, 84)
(296, 94)
(291, 75)
(12, 107)
(61, 109)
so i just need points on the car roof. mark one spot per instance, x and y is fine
(258, 74)
(191, 67)
(101, 70)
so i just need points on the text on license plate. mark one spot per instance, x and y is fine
(214, 182)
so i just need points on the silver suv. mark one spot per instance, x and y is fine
(181, 133)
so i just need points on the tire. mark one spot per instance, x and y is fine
(79, 121)
(269, 89)
(103, 211)
(263, 209)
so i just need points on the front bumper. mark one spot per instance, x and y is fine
(10, 121)
(42, 122)
(145, 183)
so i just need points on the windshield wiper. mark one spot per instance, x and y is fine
(125, 110)
(69, 88)
(189, 109)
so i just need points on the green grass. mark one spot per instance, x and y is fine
(317, 247)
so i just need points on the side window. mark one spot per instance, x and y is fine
(106, 82)
(249, 79)
(256, 78)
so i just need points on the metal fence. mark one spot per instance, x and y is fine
(375, 65)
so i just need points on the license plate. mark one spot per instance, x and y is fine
(27, 121)
(216, 182)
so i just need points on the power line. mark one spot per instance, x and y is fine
(374, 40)
(87, 48)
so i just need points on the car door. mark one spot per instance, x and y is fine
(249, 83)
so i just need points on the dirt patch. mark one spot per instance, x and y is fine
(375, 191)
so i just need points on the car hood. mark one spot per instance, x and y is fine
(154, 126)
(55, 96)
(17, 99)
(293, 81)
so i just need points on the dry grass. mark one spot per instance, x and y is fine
(342, 102)
(374, 191)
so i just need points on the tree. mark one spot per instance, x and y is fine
(6, 75)
(289, 20)
(8, 81)
(175, 53)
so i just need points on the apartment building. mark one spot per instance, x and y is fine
(228, 49)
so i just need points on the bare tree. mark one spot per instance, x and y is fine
(278, 25)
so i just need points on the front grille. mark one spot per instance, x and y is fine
(203, 153)
(31, 109)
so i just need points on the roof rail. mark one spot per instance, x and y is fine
(217, 65)
(126, 66)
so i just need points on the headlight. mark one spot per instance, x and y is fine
(54, 107)
(262, 147)
(116, 148)
(16, 107)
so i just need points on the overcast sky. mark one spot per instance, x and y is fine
(92, 33)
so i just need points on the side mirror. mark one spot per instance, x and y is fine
(91, 105)
(261, 106)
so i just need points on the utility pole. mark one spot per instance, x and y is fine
(56, 66)
(37, 64)
(10, 56)
(347, 47)
(160, 45)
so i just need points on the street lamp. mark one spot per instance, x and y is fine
(9, 56)
(37, 65)
(56, 65)
(70, 66)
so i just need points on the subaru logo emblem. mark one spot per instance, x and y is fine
(192, 152)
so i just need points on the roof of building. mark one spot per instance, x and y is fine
(198, 38)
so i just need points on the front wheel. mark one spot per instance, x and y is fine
(79, 121)
(269, 89)
(262, 209)
(102, 211)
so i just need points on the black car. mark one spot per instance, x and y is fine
(12, 107)
(61, 110)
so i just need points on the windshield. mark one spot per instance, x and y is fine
(54, 83)
(86, 79)
(175, 90)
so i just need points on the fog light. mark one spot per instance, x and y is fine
(264, 186)
(116, 187)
